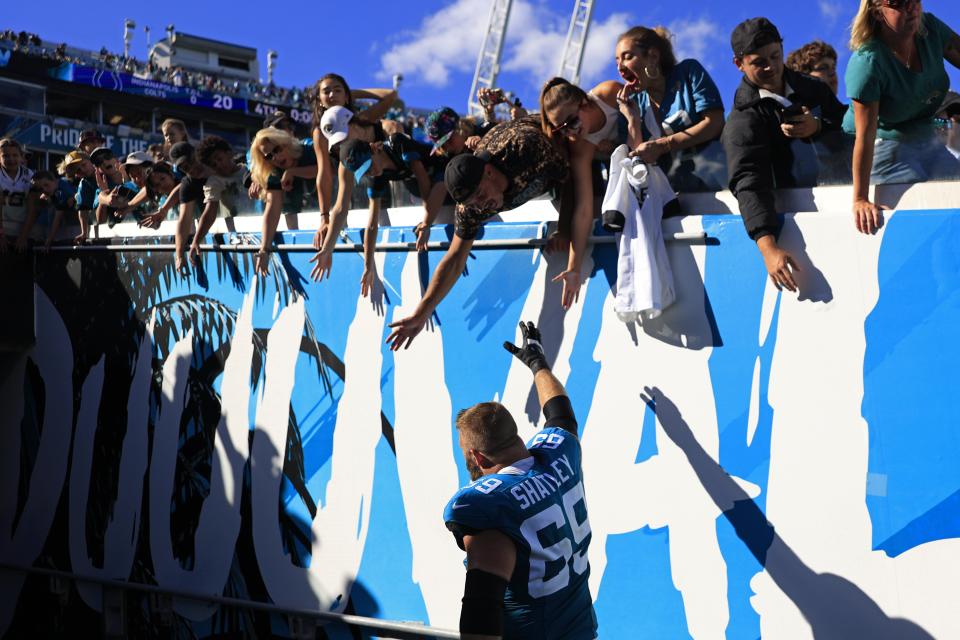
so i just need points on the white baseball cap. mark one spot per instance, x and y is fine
(138, 157)
(334, 124)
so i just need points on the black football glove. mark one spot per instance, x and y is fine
(531, 353)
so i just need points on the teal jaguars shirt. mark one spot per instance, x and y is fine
(538, 503)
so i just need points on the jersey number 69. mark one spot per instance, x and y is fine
(565, 520)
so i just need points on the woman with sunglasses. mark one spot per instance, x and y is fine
(276, 159)
(587, 125)
(674, 110)
(332, 90)
(896, 81)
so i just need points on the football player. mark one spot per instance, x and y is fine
(523, 520)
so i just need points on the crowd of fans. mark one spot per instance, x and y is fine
(32, 44)
(785, 126)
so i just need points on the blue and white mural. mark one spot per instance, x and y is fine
(254, 437)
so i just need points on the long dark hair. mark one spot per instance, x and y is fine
(160, 167)
(318, 108)
(657, 38)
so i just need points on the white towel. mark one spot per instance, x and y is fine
(644, 278)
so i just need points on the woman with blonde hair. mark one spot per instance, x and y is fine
(276, 159)
(896, 81)
(673, 109)
(586, 125)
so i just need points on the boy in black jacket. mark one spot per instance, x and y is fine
(776, 114)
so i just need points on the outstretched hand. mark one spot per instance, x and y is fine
(530, 352)
(571, 287)
(404, 331)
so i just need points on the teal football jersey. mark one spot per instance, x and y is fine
(538, 503)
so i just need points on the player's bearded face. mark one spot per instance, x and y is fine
(472, 467)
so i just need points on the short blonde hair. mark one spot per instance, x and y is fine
(865, 25)
(173, 122)
(487, 427)
(260, 167)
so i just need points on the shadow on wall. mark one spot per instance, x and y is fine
(832, 605)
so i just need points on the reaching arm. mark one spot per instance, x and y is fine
(323, 259)
(370, 247)
(582, 156)
(445, 276)
(206, 221)
(54, 227)
(138, 199)
(866, 214)
(431, 207)
(184, 228)
(324, 172)
(307, 172)
(271, 218)
(491, 559)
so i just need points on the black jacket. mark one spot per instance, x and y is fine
(759, 156)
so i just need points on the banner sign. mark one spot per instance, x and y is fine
(126, 83)
(264, 109)
(37, 134)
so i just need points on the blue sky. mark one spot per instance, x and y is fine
(434, 44)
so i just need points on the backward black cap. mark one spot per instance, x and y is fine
(463, 175)
(752, 34)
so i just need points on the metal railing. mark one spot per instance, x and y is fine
(384, 628)
(526, 243)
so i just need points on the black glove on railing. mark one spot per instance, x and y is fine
(531, 353)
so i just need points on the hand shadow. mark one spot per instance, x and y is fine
(378, 295)
(833, 606)
(812, 283)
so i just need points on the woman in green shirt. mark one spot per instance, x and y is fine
(896, 81)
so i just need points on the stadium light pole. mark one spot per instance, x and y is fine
(128, 27)
(271, 65)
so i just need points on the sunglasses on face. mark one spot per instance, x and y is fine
(571, 124)
(900, 5)
(270, 155)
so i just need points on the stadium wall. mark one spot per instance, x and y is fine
(253, 438)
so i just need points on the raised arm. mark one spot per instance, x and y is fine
(384, 97)
(556, 407)
(491, 558)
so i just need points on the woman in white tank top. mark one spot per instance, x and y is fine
(586, 125)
